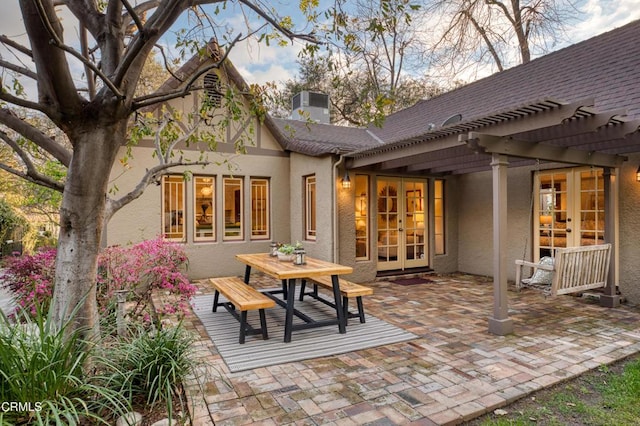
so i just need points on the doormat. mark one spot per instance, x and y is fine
(411, 281)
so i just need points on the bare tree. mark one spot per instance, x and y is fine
(116, 38)
(499, 33)
(374, 64)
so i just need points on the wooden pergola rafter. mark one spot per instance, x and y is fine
(547, 130)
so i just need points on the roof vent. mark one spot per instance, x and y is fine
(453, 119)
(212, 88)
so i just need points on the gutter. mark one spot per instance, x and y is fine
(334, 198)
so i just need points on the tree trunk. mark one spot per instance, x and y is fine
(82, 218)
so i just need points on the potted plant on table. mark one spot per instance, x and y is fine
(286, 252)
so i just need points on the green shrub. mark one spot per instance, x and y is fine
(151, 367)
(42, 369)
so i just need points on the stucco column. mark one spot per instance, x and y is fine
(500, 323)
(610, 299)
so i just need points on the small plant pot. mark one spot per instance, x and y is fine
(285, 257)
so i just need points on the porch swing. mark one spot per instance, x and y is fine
(570, 270)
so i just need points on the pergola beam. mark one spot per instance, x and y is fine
(524, 149)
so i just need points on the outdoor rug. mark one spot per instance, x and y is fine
(223, 329)
(412, 281)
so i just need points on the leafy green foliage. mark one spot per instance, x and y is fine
(151, 368)
(10, 221)
(43, 368)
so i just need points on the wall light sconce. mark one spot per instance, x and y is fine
(346, 181)
(638, 174)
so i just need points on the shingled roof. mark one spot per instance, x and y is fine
(317, 139)
(604, 68)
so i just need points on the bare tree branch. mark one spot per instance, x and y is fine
(151, 176)
(32, 174)
(21, 70)
(145, 101)
(289, 34)
(54, 148)
(20, 48)
(8, 97)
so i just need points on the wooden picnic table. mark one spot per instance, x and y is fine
(289, 273)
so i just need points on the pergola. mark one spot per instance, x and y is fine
(544, 130)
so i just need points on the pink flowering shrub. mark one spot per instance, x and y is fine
(30, 278)
(142, 268)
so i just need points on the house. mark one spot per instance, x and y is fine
(540, 156)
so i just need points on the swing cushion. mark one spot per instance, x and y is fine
(540, 276)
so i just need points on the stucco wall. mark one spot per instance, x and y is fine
(301, 166)
(475, 219)
(141, 219)
(629, 248)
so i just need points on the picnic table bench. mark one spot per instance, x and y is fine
(348, 290)
(243, 298)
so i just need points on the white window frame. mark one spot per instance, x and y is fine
(173, 213)
(439, 229)
(201, 234)
(260, 208)
(310, 210)
(229, 235)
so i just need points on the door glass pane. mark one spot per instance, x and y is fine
(387, 220)
(552, 212)
(414, 220)
(591, 207)
(571, 209)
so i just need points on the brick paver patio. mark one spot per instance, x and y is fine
(453, 372)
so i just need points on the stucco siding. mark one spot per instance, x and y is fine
(629, 247)
(475, 219)
(321, 167)
(141, 219)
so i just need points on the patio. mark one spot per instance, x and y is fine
(453, 372)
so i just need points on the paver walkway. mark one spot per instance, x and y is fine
(454, 372)
(7, 305)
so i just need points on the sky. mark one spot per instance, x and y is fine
(259, 63)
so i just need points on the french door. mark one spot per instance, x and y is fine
(569, 209)
(402, 231)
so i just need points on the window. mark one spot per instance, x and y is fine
(204, 208)
(438, 212)
(260, 209)
(173, 203)
(362, 218)
(233, 207)
(310, 207)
